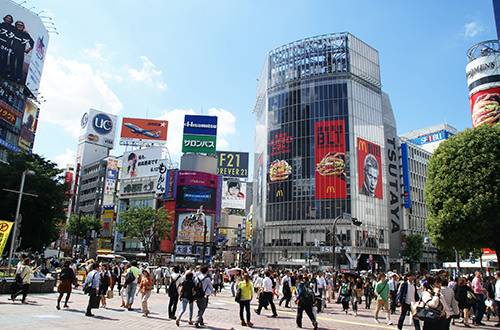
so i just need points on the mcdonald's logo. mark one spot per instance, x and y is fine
(279, 193)
(330, 190)
(362, 145)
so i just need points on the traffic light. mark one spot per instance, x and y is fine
(472, 258)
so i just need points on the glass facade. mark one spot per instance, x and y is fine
(317, 98)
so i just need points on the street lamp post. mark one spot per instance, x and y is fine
(355, 222)
(18, 209)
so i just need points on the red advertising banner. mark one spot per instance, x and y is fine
(281, 144)
(330, 159)
(369, 164)
(144, 129)
(8, 115)
(485, 107)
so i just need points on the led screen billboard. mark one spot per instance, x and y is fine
(280, 168)
(144, 129)
(98, 127)
(28, 128)
(233, 194)
(485, 107)
(232, 164)
(330, 159)
(23, 45)
(190, 227)
(195, 189)
(141, 163)
(369, 169)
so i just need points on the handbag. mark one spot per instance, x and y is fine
(87, 288)
(19, 279)
(471, 298)
(427, 314)
(237, 297)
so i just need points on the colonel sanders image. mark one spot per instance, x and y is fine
(371, 172)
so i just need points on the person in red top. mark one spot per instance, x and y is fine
(145, 287)
(479, 291)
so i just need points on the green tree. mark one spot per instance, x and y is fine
(414, 248)
(83, 226)
(462, 192)
(40, 215)
(145, 224)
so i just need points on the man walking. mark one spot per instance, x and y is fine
(202, 302)
(93, 278)
(305, 302)
(173, 292)
(286, 284)
(382, 295)
(406, 295)
(479, 291)
(131, 287)
(393, 292)
(267, 292)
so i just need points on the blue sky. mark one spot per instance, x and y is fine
(162, 59)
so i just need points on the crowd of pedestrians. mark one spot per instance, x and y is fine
(463, 301)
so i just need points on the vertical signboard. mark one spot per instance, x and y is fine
(28, 128)
(330, 160)
(111, 171)
(280, 168)
(171, 185)
(161, 181)
(406, 176)
(107, 221)
(369, 169)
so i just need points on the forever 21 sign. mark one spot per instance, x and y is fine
(232, 164)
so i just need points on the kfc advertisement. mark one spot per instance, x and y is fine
(369, 166)
(330, 159)
(144, 130)
(485, 107)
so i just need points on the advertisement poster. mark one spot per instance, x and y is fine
(195, 189)
(23, 43)
(111, 171)
(161, 181)
(171, 184)
(232, 164)
(144, 129)
(233, 194)
(190, 227)
(98, 127)
(330, 159)
(280, 168)
(485, 107)
(28, 128)
(107, 220)
(369, 168)
(406, 176)
(5, 228)
(200, 125)
(141, 163)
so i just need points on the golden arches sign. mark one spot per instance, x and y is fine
(362, 145)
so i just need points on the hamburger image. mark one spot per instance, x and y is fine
(486, 109)
(332, 164)
(279, 170)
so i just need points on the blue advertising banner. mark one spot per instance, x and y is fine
(200, 125)
(406, 176)
(439, 136)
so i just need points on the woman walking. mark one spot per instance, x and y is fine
(145, 288)
(368, 292)
(461, 290)
(246, 289)
(187, 297)
(26, 278)
(104, 283)
(67, 277)
(357, 286)
(123, 290)
(432, 298)
(344, 294)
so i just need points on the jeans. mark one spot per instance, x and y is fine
(405, 308)
(131, 293)
(186, 301)
(309, 312)
(385, 303)
(479, 308)
(245, 304)
(202, 305)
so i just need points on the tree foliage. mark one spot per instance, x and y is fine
(145, 224)
(42, 214)
(462, 191)
(414, 248)
(83, 226)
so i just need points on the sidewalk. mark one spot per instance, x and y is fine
(222, 313)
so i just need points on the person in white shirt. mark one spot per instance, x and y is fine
(286, 283)
(406, 295)
(267, 292)
(93, 278)
(393, 291)
(202, 303)
(176, 280)
(158, 278)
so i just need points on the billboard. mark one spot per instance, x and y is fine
(111, 172)
(233, 194)
(483, 73)
(28, 128)
(171, 185)
(98, 127)
(161, 180)
(434, 137)
(140, 186)
(232, 164)
(144, 130)
(141, 163)
(5, 227)
(330, 159)
(23, 45)
(485, 107)
(369, 169)
(406, 176)
(195, 189)
(107, 220)
(200, 134)
(190, 228)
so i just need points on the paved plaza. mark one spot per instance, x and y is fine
(222, 313)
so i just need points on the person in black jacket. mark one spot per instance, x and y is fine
(6, 35)
(19, 42)
(406, 295)
(461, 296)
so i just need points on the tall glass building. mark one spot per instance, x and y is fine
(323, 133)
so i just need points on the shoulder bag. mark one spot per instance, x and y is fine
(427, 314)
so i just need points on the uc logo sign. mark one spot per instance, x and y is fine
(102, 124)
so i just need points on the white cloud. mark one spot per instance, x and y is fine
(96, 53)
(226, 127)
(472, 29)
(71, 88)
(147, 74)
(69, 157)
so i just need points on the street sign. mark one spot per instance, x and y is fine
(346, 216)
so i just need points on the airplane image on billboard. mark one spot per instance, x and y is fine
(146, 132)
(144, 129)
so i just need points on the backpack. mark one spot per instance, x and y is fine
(199, 292)
(307, 295)
(129, 278)
(172, 288)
